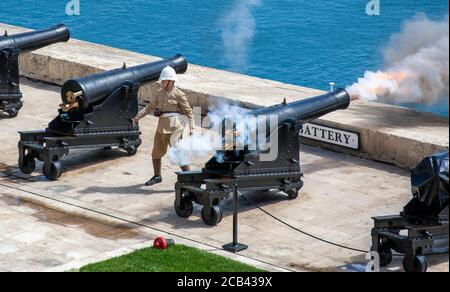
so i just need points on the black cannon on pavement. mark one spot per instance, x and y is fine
(96, 112)
(10, 49)
(422, 228)
(233, 170)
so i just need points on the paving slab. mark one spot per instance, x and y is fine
(52, 238)
(340, 195)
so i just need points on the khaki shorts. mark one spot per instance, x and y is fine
(162, 143)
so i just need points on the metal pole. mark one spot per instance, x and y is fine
(235, 214)
(235, 246)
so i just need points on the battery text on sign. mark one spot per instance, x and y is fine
(330, 135)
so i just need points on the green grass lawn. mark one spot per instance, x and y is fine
(178, 258)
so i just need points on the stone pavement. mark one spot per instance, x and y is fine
(35, 237)
(340, 195)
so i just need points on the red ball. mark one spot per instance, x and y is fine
(162, 243)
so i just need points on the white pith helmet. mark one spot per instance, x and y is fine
(168, 73)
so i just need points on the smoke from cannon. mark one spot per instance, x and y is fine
(416, 65)
(238, 30)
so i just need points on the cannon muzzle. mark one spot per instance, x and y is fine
(34, 40)
(89, 90)
(309, 109)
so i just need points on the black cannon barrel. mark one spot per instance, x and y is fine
(306, 110)
(95, 87)
(33, 40)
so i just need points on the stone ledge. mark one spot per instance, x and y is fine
(390, 134)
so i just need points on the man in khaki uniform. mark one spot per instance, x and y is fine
(170, 104)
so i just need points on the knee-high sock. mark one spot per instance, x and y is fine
(157, 167)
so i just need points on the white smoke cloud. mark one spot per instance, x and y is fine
(238, 30)
(416, 65)
(202, 146)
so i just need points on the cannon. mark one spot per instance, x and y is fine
(96, 112)
(10, 49)
(422, 228)
(233, 170)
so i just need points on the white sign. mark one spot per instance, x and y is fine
(330, 135)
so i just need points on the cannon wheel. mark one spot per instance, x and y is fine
(28, 165)
(53, 171)
(12, 113)
(131, 150)
(214, 217)
(185, 209)
(293, 194)
(416, 264)
(385, 253)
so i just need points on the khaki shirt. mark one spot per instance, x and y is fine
(173, 100)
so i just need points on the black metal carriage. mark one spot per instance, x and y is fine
(232, 171)
(423, 225)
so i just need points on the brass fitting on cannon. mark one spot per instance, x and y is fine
(72, 101)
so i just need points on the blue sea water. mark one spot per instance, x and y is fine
(307, 43)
